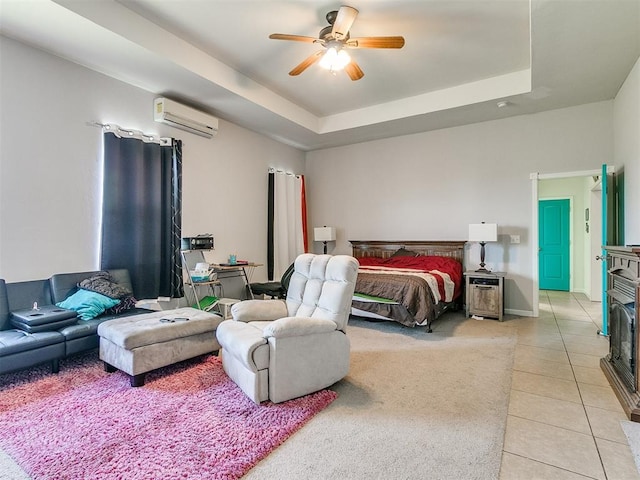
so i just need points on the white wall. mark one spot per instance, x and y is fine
(432, 185)
(50, 168)
(626, 119)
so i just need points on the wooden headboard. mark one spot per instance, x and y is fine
(384, 249)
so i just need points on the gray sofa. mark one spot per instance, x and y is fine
(25, 347)
(20, 349)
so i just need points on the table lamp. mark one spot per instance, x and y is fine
(483, 233)
(324, 234)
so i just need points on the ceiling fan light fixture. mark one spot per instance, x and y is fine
(334, 59)
(335, 38)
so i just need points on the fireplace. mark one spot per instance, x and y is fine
(622, 322)
(620, 366)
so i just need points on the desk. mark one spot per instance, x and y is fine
(239, 270)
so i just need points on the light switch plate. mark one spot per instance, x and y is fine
(515, 238)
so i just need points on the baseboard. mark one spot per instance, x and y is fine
(520, 313)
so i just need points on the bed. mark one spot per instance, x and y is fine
(409, 282)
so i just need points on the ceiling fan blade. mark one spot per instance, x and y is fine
(295, 38)
(354, 71)
(306, 63)
(376, 42)
(344, 20)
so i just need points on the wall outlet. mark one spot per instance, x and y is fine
(514, 238)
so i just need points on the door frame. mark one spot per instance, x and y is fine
(534, 177)
(595, 247)
(571, 242)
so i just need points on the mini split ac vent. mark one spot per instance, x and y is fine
(185, 118)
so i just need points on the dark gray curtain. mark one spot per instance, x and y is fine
(141, 214)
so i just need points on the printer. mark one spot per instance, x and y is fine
(199, 242)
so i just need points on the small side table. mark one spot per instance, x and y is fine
(485, 294)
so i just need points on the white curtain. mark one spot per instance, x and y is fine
(288, 221)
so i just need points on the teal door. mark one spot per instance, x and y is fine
(611, 228)
(553, 247)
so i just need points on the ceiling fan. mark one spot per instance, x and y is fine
(335, 39)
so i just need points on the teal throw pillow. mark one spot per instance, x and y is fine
(88, 304)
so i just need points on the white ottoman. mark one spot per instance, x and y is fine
(140, 343)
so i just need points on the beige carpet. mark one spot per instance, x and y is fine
(414, 406)
(632, 431)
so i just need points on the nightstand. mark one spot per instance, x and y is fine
(485, 294)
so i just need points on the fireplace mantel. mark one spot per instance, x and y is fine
(623, 290)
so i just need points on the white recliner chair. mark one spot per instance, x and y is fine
(282, 349)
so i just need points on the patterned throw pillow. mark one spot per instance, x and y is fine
(126, 303)
(103, 283)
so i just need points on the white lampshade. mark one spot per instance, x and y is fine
(324, 234)
(483, 232)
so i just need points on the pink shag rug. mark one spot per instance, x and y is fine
(188, 421)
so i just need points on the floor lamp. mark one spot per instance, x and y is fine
(483, 233)
(324, 234)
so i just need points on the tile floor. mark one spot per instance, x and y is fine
(564, 419)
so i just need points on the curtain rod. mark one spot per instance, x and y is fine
(118, 131)
(273, 170)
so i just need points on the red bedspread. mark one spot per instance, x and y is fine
(446, 265)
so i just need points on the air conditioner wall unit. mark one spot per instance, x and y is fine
(185, 118)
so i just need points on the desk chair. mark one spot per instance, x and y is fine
(274, 289)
